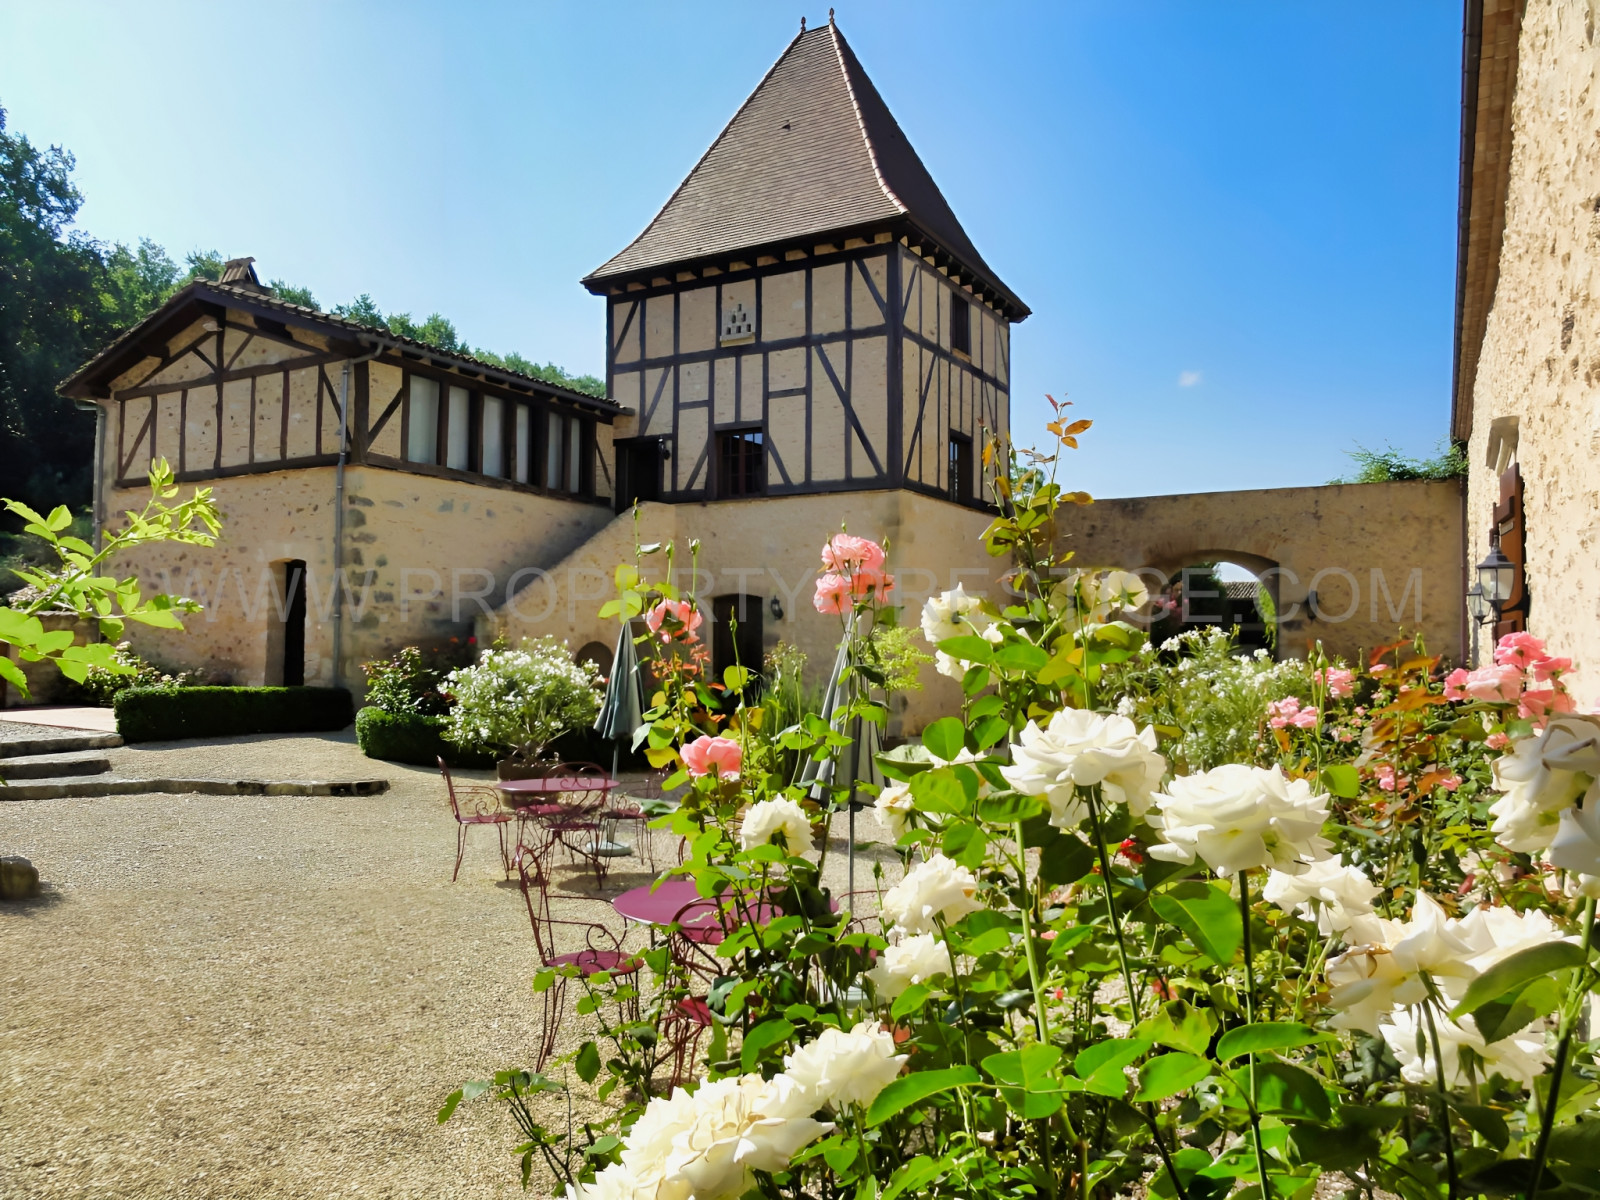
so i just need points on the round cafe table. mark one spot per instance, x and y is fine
(531, 793)
(706, 920)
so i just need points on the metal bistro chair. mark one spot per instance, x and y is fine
(473, 804)
(579, 827)
(639, 805)
(603, 948)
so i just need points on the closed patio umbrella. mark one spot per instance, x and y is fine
(622, 706)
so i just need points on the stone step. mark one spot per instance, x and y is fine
(57, 743)
(112, 785)
(53, 766)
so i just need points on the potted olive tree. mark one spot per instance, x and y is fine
(515, 702)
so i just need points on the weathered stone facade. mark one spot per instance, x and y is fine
(1530, 398)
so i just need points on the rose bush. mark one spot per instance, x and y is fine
(1138, 946)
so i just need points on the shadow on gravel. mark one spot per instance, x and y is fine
(48, 898)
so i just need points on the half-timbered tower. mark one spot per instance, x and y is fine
(806, 314)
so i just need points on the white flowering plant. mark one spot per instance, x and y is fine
(1293, 964)
(519, 700)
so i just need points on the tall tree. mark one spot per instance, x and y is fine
(54, 312)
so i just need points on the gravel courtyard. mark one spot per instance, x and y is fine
(228, 996)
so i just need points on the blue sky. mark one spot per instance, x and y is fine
(1234, 222)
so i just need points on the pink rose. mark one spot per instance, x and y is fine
(683, 615)
(1454, 683)
(1494, 685)
(846, 554)
(1546, 669)
(1450, 782)
(1386, 776)
(1519, 650)
(1377, 668)
(1539, 704)
(833, 594)
(871, 585)
(1497, 741)
(1339, 681)
(718, 756)
(1281, 712)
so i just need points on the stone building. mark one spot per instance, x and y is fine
(1527, 354)
(803, 336)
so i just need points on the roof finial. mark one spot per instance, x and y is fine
(802, 24)
(830, 16)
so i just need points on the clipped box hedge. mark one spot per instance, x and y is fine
(166, 714)
(409, 738)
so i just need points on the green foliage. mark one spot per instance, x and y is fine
(77, 583)
(165, 714)
(1208, 700)
(412, 738)
(1389, 465)
(404, 684)
(101, 685)
(894, 656)
(295, 295)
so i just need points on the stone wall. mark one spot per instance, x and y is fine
(1382, 558)
(769, 548)
(1534, 396)
(423, 556)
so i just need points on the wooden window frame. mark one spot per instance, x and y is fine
(959, 468)
(960, 324)
(539, 414)
(742, 433)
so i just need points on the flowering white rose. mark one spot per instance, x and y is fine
(839, 1068)
(892, 808)
(1093, 596)
(777, 817)
(955, 614)
(1237, 817)
(1327, 892)
(1080, 748)
(1387, 968)
(706, 1146)
(952, 614)
(1520, 1059)
(1576, 847)
(1541, 777)
(936, 887)
(910, 960)
(1496, 933)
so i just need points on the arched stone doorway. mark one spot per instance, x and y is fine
(1217, 589)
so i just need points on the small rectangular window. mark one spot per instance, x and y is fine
(960, 468)
(422, 421)
(457, 436)
(741, 459)
(492, 449)
(574, 455)
(960, 325)
(524, 445)
(555, 443)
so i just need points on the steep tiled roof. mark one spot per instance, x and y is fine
(110, 361)
(813, 150)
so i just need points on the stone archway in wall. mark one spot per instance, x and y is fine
(1200, 590)
(1351, 566)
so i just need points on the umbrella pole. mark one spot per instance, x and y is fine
(851, 873)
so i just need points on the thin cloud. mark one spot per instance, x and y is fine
(1188, 378)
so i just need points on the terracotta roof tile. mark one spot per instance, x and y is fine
(813, 150)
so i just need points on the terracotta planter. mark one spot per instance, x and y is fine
(516, 768)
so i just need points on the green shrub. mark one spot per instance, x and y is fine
(406, 683)
(146, 714)
(101, 685)
(411, 738)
